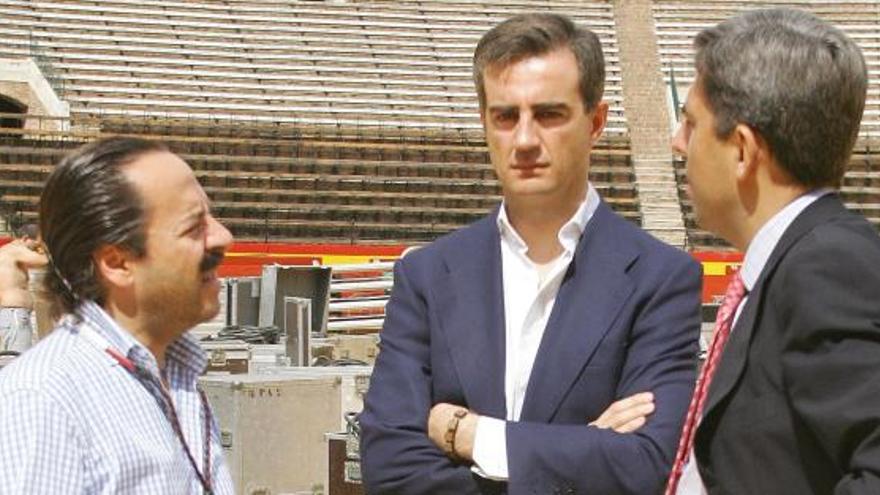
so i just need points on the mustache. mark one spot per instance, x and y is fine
(211, 260)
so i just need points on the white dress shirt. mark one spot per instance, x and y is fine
(756, 257)
(529, 295)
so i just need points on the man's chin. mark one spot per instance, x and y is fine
(533, 187)
(209, 311)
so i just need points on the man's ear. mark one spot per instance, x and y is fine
(599, 118)
(114, 265)
(751, 150)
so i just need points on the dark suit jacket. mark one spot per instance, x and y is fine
(794, 407)
(625, 320)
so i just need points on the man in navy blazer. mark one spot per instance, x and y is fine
(551, 346)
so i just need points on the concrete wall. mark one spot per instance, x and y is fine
(22, 80)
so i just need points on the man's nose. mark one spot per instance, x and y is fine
(218, 235)
(678, 142)
(526, 137)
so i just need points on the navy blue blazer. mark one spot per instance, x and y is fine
(626, 320)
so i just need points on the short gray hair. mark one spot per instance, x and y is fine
(530, 35)
(793, 78)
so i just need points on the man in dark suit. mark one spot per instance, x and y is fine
(507, 343)
(793, 406)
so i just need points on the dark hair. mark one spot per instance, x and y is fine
(28, 231)
(796, 80)
(87, 203)
(528, 35)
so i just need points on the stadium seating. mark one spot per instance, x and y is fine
(305, 121)
(397, 64)
(318, 190)
(677, 22)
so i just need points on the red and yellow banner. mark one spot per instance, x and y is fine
(248, 258)
(718, 266)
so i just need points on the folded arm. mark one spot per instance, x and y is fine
(396, 454)
(660, 359)
(399, 456)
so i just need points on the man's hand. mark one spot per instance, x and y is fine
(438, 422)
(624, 416)
(16, 258)
(627, 415)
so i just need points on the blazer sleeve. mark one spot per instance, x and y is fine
(397, 457)
(828, 300)
(661, 358)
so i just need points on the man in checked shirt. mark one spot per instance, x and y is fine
(108, 402)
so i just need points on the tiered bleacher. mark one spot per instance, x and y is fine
(321, 189)
(305, 121)
(677, 22)
(389, 63)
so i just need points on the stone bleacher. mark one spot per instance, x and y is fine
(677, 22)
(389, 64)
(316, 189)
(305, 121)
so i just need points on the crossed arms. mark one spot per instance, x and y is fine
(611, 453)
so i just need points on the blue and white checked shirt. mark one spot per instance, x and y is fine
(73, 420)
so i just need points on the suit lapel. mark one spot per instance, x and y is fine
(471, 311)
(735, 355)
(592, 293)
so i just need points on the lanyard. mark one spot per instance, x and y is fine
(149, 381)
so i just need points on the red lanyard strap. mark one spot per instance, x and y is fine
(149, 381)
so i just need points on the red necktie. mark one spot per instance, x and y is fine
(736, 290)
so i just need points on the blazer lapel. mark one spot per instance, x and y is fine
(734, 357)
(471, 311)
(592, 293)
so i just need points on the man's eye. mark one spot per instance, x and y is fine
(505, 119)
(550, 117)
(196, 228)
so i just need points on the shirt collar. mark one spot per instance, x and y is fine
(569, 234)
(768, 236)
(184, 352)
